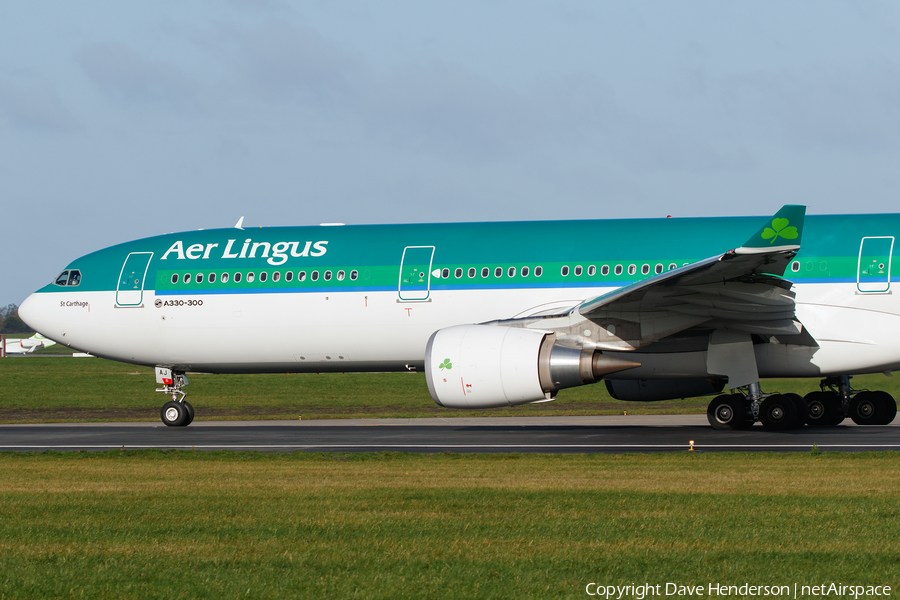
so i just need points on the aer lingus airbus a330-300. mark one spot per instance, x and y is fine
(500, 314)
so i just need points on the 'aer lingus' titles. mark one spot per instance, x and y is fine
(276, 254)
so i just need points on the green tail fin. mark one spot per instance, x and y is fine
(782, 230)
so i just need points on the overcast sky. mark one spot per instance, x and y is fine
(121, 120)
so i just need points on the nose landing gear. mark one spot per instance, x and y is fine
(177, 412)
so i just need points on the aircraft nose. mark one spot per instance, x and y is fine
(27, 312)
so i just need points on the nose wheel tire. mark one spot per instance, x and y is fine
(190, 410)
(176, 414)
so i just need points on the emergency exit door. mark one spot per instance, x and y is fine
(130, 291)
(874, 268)
(415, 273)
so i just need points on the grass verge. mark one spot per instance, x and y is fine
(64, 389)
(154, 524)
(60, 389)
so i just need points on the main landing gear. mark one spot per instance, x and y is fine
(177, 412)
(828, 407)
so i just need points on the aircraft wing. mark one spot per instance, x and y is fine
(740, 290)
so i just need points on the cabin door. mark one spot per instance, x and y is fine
(415, 273)
(130, 291)
(874, 269)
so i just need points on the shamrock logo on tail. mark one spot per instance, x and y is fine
(779, 229)
(446, 364)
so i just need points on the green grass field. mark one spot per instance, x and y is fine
(59, 389)
(212, 525)
(153, 524)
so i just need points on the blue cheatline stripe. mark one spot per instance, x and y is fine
(434, 288)
(534, 285)
(796, 279)
(304, 290)
(439, 287)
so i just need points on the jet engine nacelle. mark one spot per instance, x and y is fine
(486, 366)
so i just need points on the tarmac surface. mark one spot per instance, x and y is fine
(557, 435)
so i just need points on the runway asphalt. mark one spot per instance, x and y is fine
(616, 434)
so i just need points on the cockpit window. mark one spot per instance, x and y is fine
(72, 278)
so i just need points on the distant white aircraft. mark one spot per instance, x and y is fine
(24, 346)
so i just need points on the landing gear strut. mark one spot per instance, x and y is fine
(863, 406)
(177, 412)
(825, 408)
(740, 411)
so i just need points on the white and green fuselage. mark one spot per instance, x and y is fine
(368, 298)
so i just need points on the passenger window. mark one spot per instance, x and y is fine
(301, 276)
(445, 274)
(632, 269)
(485, 272)
(354, 274)
(341, 275)
(74, 277)
(592, 270)
(645, 269)
(538, 271)
(524, 271)
(604, 270)
(511, 272)
(659, 268)
(565, 271)
(250, 277)
(315, 276)
(289, 276)
(174, 279)
(224, 277)
(672, 266)
(199, 278)
(212, 278)
(64, 277)
(186, 278)
(276, 276)
(471, 272)
(237, 277)
(618, 269)
(327, 275)
(458, 273)
(498, 272)
(263, 276)
(578, 270)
